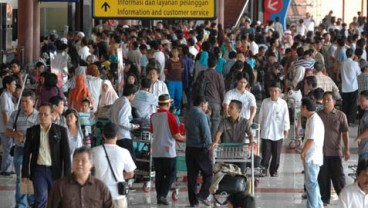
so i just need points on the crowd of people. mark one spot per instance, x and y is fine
(209, 75)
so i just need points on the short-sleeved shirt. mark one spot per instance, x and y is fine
(248, 100)
(23, 123)
(163, 126)
(145, 103)
(315, 131)
(363, 125)
(6, 106)
(335, 123)
(234, 131)
(120, 160)
(68, 193)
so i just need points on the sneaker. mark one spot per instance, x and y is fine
(204, 201)
(304, 195)
(275, 175)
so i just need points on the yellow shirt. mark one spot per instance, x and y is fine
(44, 156)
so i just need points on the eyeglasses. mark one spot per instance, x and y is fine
(43, 114)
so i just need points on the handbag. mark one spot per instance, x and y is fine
(230, 184)
(14, 129)
(123, 188)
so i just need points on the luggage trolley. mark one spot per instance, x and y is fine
(181, 170)
(237, 153)
(144, 162)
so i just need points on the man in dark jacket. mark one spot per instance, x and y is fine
(49, 147)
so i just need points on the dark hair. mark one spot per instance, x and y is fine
(312, 80)
(129, 89)
(237, 103)
(199, 100)
(39, 63)
(8, 80)
(349, 52)
(29, 93)
(110, 130)
(86, 100)
(241, 200)
(330, 93)
(212, 61)
(358, 52)
(83, 149)
(241, 76)
(15, 61)
(364, 93)
(308, 103)
(146, 83)
(232, 55)
(51, 80)
(362, 166)
(300, 51)
(71, 111)
(46, 105)
(55, 100)
(318, 66)
(318, 93)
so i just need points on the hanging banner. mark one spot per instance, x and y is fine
(276, 8)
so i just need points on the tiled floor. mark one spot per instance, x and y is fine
(283, 191)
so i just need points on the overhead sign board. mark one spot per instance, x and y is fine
(276, 8)
(155, 9)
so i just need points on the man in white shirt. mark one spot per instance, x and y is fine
(145, 102)
(274, 124)
(253, 45)
(309, 22)
(160, 57)
(120, 160)
(249, 105)
(350, 71)
(312, 152)
(158, 87)
(356, 194)
(121, 115)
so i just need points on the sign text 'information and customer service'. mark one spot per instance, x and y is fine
(156, 9)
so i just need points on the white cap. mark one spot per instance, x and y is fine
(81, 34)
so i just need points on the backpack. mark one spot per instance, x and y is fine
(200, 85)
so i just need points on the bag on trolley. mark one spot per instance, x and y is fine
(228, 179)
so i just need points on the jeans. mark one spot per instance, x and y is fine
(311, 184)
(7, 159)
(198, 160)
(20, 199)
(176, 92)
(215, 117)
(42, 183)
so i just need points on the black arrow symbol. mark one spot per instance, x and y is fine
(106, 5)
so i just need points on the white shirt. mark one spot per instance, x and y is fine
(248, 100)
(273, 119)
(159, 88)
(254, 48)
(160, 57)
(352, 196)
(315, 130)
(146, 103)
(309, 23)
(6, 105)
(350, 71)
(120, 160)
(121, 115)
(193, 51)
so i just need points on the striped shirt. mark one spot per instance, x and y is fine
(23, 123)
(307, 64)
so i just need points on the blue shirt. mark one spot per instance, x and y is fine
(197, 128)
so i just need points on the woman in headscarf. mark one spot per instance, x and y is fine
(79, 93)
(108, 95)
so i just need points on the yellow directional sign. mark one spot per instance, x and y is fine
(155, 9)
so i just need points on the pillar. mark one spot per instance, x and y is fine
(25, 29)
(220, 12)
(36, 30)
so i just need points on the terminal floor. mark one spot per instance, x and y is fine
(282, 191)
